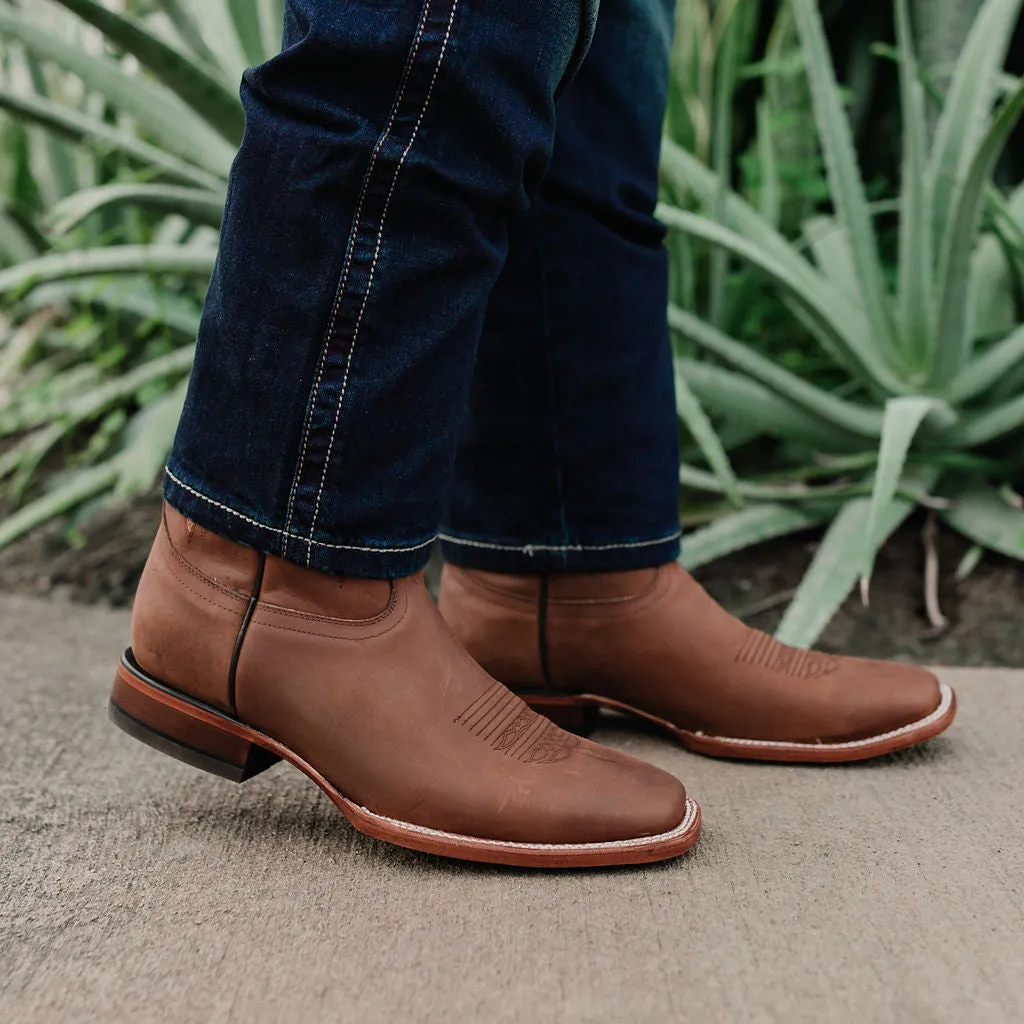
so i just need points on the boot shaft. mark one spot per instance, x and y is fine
(190, 608)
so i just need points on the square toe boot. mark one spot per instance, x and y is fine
(653, 643)
(239, 660)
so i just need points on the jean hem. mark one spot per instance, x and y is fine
(526, 557)
(367, 559)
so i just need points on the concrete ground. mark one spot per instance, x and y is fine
(136, 889)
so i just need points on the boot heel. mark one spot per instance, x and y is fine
(567, 712)
(172, 724)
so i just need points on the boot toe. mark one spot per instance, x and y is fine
(893, 696)
(915, 695)
(629, 798)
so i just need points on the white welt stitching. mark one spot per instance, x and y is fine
(373, 268)
(453, 837)
(294, 536)
(947, 700)
(356, 225)
(530, 548)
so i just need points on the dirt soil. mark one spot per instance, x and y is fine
(986, 612)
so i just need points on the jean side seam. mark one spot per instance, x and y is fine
(294, 536)
(346, 268)
(529, 548)
(373, 267)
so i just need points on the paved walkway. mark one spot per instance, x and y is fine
(134, 889)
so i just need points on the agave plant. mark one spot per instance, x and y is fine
(712, 43)
(135, 119)
(714, 55)
(931, 411)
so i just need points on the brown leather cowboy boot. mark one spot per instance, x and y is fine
(653, 643)
(239, 660)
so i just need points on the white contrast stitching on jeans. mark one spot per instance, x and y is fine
(530, 548)
(293, 536)
(373, 268)
(356, 224)
(944, 705)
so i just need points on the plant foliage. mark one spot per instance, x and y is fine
(929, 404)
(120, 122)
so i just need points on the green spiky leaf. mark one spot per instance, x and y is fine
(822, 303)
(988, 369)
(742, 399)
(835, 412)
(67, 493)
(981, 514)
(743, 529)
(70, 123)
(916, 243)
(953, 334)
(200, 206)
(246, 18)
(692, 414)
(114, 259)
(836, 564)
(149, 441)
(903, 418)
(844, 174)
(965, 113)
(201, 87)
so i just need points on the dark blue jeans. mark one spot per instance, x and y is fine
(440, 295)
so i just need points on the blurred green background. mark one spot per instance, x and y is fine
(841, 188)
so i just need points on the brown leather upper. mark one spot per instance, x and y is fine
(186, 621)
(655, 640)
(365, 681)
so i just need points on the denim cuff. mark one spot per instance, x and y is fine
(523, 558)
(366, 559)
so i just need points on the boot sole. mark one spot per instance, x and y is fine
(580, 713)
(206, 738)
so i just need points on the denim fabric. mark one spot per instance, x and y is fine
(391, 151)
(569, 457)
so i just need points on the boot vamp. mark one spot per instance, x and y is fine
(679, 656)
(399, 719)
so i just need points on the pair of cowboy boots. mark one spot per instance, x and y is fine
(435, 728)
